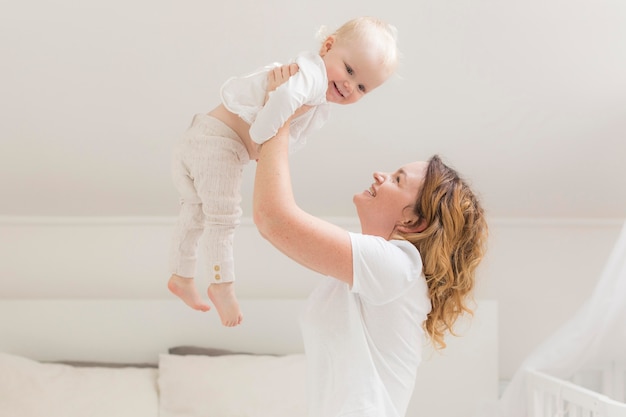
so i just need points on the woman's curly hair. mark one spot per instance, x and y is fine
(451, 246)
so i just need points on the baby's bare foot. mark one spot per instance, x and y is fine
(224, 299)
(185, 289)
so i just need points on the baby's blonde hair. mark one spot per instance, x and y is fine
(381, 35)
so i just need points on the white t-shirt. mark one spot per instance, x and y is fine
(245, 97)
(364, 344)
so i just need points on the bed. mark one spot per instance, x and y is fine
(148, 358)
(79, 339)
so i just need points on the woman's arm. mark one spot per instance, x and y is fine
(310, 241)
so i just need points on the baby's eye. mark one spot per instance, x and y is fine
(349, 69)
(362, 88)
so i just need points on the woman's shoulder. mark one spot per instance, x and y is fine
(401, 244)
(385, 269)
(377, 249)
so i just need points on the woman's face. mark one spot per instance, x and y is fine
(384, 204)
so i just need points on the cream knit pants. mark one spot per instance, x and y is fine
(207, 170)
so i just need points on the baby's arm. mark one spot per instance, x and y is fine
(280, 75)
(283, 100)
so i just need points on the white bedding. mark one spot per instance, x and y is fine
(232, 385)
(181, 386)
(32, 389)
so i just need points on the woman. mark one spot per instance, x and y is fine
(406, 277)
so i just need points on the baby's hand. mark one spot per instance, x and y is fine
(280, 75)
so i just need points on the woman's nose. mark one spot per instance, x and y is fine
(379, 177)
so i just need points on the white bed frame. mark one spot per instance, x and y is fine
(554, 397)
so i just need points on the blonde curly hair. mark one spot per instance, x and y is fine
(452, 244)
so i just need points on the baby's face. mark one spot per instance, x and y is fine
(353, 70)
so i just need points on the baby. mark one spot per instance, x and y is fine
(208, 160)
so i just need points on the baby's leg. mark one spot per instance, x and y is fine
(185, 289)
(219, 187)
(189, 227)
(183, 258)
(223, 297)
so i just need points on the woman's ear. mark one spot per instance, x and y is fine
(327, 45)
(413, 225)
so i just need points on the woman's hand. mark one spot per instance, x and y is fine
(280, 75)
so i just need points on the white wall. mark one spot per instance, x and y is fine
(526, 98)
(538, 271)
(541, 271)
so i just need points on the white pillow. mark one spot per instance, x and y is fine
(232, 386)
(32, 389)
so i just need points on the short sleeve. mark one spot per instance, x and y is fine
(383, 270)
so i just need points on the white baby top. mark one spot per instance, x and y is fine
(364, 344)
(245, 95)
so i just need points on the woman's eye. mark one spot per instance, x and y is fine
(398, 180)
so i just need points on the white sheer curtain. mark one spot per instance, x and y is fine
(594, 338)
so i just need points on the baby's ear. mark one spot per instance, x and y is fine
(327, 45)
